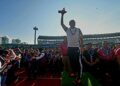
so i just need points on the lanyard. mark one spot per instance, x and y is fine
(106, 51)
(91, 53)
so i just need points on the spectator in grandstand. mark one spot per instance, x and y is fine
(107, 62)
(12, 66)
(18, 53)
(64, 55)
(57, 63)
(117, 54)
(90, 60)
(105, 52)
(3, 65)
(25, 58)
(26, 61)
(51, 61)
(2, 55)
(75, 43)
(42, 62)
(32, 67)
(42, 54)
(96, 47)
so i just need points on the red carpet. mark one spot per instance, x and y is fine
(45, 80)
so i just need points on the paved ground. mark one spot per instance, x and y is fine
(44, 80)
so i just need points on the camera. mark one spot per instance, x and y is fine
(62, 11)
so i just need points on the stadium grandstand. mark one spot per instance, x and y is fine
(53, 41)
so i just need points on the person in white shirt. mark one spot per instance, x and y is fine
(75, 43)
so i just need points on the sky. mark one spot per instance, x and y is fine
(18, 17)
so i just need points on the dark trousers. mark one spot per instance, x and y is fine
(73, 53)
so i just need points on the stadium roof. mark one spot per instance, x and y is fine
(50, 37)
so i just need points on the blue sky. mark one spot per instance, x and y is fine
(18, 17)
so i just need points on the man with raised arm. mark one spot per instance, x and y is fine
(75, 43)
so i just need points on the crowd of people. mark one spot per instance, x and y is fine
(35, 62)
(103, 63)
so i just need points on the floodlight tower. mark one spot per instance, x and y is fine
(35, 29)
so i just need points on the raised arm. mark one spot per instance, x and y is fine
(62, 23)
(2, 68)
(41, 56)
(62, 19)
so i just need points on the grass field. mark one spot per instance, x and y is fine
(86, 80)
